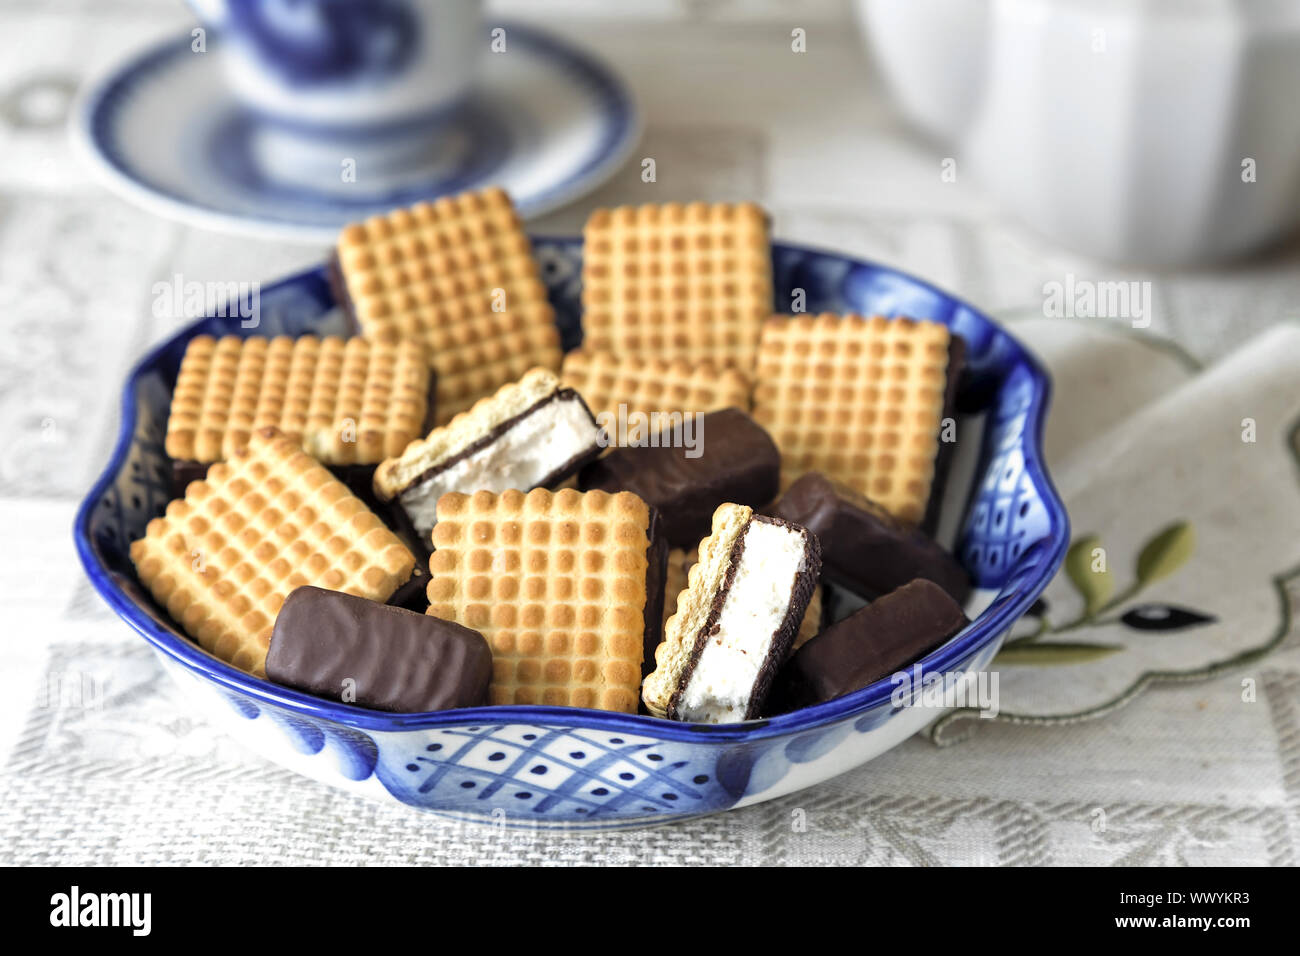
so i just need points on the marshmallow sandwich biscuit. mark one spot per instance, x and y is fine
(458, 276)
(679, 565)
(531, 433)
(736, 620)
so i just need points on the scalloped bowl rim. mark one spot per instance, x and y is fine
(986, 626)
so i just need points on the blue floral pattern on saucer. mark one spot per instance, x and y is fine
(163, 131)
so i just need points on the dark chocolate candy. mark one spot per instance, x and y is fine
(414, 594)
(864, 548)
(738, 462)
(881, 639)
(943, 457)
(395, 660)
(184, 471)
(656, 572)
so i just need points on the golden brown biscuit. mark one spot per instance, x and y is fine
(348, 402)
(689, 282)
(270, 519)
(650, 386)
(556, 582)
(458, 276)
(859, 399)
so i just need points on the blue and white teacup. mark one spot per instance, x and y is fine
(377, 74)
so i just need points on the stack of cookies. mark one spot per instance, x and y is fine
(441, 510)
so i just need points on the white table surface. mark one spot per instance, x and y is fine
(732, 114)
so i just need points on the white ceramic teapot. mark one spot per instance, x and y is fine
(1162, 132)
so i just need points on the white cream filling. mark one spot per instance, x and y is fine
(519, 458)
(719, 689)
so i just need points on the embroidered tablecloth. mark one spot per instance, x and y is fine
(1140, 723)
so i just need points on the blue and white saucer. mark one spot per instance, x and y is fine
(547, 122)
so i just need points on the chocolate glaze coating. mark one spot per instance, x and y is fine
(864, 548)
(414, 594)
(739, 463)
(880, 639)
(184, 471)
(943, 457)
(400, 661)
(656, 571)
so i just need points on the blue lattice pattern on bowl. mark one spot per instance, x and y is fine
(563, 767)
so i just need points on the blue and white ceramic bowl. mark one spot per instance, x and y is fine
(564, 767)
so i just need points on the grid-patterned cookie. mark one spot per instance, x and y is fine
(223, 558)
(679, 566)
(646, 386)
(457, 275)
(347, 401)
(859, 399)
(687, 282)
(556, 582)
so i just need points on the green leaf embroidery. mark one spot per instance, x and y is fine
(1095, 587)
(1038, 655)
(1166, 552)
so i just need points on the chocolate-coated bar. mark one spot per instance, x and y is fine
(943, 457)
(656, 573)
(345, 648)
(881, 639)
(864, 548)
(735, 460)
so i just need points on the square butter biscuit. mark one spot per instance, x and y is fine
(860, 400)
(671, 282)
(458, 276)
(650, 387)
(270, 519)
(562, 584)
(346, 401)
